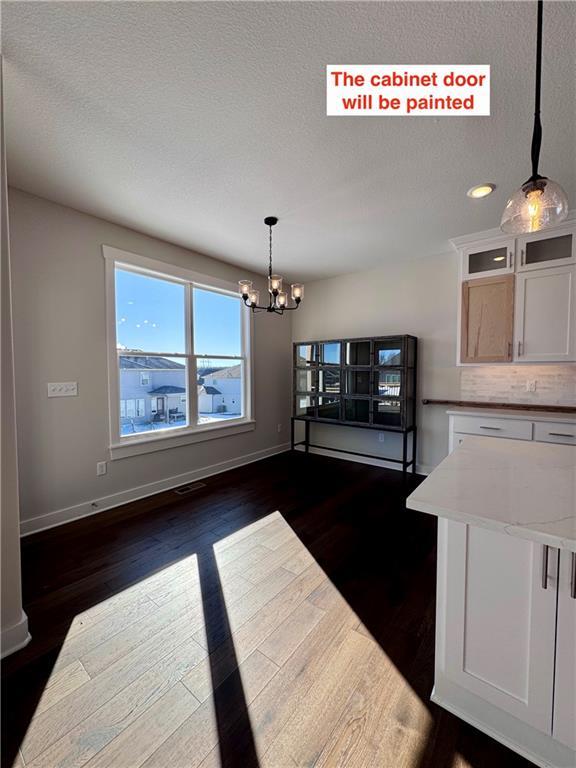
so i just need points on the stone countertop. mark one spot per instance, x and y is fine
(521, 488)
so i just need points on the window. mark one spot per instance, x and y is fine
(185, 342)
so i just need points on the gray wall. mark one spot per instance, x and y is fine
(417, 297)
(60, 335)
(14, 624)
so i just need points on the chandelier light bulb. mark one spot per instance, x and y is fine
(254, 297)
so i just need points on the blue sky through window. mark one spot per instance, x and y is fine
(150, 316)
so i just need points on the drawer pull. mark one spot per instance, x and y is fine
(545, 567)
(560, 434)
(573, 577)
(497, 429)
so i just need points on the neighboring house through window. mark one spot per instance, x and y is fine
(181, 340)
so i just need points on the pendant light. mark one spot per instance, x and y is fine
(278, 299)
(540, 202)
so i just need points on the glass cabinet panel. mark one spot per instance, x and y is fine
(305, 405)
(329, 353)
(357, 382)
(306, 354)
(328, 407)
(357, 353)
(388, 352)
(548, 249)
(487, 261)
(306, 380)
(357, 410)
(329, 380)
(387, 412)
(388, 383)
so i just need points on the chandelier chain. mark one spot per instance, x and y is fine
(270, 260)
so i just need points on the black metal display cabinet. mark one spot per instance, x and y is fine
(368, 383)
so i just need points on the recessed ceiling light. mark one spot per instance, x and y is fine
(481, 190)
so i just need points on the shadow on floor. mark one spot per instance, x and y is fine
(352, 519)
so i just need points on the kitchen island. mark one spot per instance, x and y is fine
(506, 592)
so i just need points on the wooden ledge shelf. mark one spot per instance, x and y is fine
(503, 406)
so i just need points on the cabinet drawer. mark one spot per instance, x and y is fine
(491, 427)
(555, 432)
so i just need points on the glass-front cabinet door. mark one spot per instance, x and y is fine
(495, 258)
(546, 249)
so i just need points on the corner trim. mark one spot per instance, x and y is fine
(15, 637)
(87, 508)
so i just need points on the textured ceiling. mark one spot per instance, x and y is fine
(192, 121)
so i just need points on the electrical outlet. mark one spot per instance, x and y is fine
(63, 389)
(101, 468)
(279, 427)
(531, 385)
(381, 437)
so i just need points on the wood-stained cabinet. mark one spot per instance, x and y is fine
(487, 326)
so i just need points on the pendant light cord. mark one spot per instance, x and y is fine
(537, 133)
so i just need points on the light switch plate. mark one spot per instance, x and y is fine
(63, 389)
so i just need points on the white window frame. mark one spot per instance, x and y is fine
(144, 379)
(130, 445)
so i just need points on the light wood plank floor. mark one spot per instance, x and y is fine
(282, 615)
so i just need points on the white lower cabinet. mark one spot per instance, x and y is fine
(502, 622)
(564, 721)
(506, 640)
(506, 619)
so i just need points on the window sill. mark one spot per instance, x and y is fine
(183, 436)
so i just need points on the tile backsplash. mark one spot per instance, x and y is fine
(555, 384)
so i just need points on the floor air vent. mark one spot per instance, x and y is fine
(189, 488)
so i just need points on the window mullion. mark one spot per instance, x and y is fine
(191, 367)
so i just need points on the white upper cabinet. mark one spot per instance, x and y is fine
(543, 302)
(545, 249)
(545, 315)
(488, 259)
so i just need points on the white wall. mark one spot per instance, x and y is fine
(60, 335)
(418, 297)
(14, 623)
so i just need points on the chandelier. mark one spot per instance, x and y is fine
(277, 299)
(540, 202)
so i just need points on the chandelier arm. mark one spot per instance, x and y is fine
(537, 132)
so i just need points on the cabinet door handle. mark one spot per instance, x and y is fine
(510, 350)
(545, 567)
(496, 429)
(522, 257)
(573, 577)
(509, 259)
(519, 348)
(561, 434)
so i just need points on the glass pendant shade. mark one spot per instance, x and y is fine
(275, 283)
(538, 204)
(281, 299)
(245, 286)
(254, 297)
(297, 291)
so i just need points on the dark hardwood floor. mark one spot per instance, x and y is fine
(280, 615)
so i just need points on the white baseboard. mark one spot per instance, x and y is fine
(67, 515)
(15, 637)
(421, 469)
